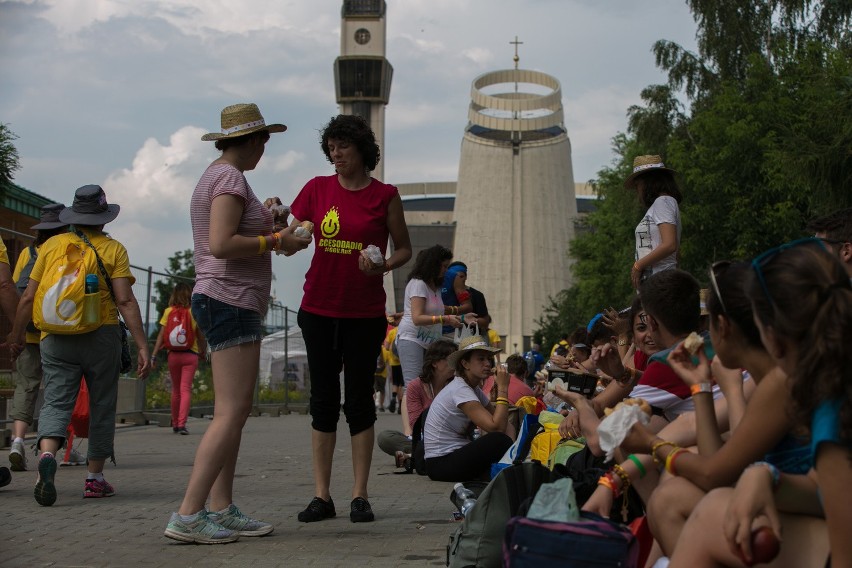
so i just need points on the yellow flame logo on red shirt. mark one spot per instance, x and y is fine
(330, 225)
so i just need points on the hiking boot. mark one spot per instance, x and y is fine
(5, 476)
(73, 459)
(318, 510)
(361, 512)
(201, 530)
(234, 520)
(45, 490)
(18, 457)
(95, 489)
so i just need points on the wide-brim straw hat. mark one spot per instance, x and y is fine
(50, 217)
(242, 119)
(644, 164)
(90, 207)
(468, 344)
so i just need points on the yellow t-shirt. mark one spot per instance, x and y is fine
(4, 254)
(23, 259)
(165, 319)
(112, 253)
(393, 360)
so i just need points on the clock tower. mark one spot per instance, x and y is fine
(362, 74)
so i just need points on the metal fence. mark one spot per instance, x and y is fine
(137, 397)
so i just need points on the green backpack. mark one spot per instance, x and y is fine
(478, 542)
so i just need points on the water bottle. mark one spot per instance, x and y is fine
(91, 300)
(465, 497)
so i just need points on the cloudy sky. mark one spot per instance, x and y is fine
(119, 92)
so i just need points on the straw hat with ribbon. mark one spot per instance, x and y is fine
(242, 119)
(468, 344)
(90, 207)
(643, 164)
(50, 217)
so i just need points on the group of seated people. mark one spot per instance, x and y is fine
(750, 434)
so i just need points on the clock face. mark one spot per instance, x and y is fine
(362, 36)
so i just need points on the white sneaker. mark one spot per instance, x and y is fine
(18, 457)
(74, 459)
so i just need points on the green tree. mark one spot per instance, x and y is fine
(9, 160)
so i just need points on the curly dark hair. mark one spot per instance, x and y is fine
(654, 183)
(427, 265)
(225, 143)
(807, 301)
(354, 130)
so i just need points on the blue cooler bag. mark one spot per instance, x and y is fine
(594, 541)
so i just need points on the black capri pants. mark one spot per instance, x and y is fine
(351, 345)
(470, 462)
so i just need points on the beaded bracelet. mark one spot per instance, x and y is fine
(622, 473)
(276, 241)
(638, 463)
(657, 446)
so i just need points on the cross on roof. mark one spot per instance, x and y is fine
(516, 43)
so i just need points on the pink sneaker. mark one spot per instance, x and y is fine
(96, 489)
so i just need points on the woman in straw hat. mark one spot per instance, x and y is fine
(461, 406)
(342, 315)
(232, 233)
(658, 233)
(95, 354)
(28, 364)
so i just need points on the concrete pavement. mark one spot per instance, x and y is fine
(413, 514)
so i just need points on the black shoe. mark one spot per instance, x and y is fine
(183, 431)
(175, 429)
(318, 510)
(361, 511)
(5, 476)
(392, 405)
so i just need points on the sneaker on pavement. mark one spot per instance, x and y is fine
(73, 459)
(202, 530)
(5, 476)
(95, 489)
(361, 512)
(18, 457)
(183, 431)
(317, 510)
(45, 490)
(235, 520)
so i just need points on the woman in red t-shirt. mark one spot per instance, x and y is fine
(342, 316)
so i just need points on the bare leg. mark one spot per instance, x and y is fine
(362, 457)
(234, 375)
(19, 429)
(323, 456)
(669, 508)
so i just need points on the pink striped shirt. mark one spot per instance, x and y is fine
(242, 282)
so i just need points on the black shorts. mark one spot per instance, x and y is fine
(396, 376)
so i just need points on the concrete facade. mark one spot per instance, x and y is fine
(515, 205)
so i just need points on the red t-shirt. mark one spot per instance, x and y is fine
(345, 222)
(517, 388)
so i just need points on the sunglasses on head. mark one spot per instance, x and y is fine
(764, 257)
(715, 285)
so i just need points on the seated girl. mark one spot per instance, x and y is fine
(518, 388)
(451, 454)
(803, 307)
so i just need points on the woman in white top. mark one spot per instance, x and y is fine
(658, 233)
(424, 314)
(460, 407)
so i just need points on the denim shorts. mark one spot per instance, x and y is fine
(225, 325)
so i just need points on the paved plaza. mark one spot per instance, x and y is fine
(413, 514)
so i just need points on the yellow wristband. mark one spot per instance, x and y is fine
(506, 402)
(262, 247)
(500, 398)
